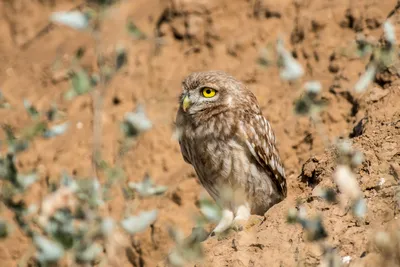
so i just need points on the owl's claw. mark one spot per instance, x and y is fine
(221, 235)
(243, 225)
(227, 233)
(238, 225)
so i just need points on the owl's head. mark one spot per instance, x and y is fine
(209, 90)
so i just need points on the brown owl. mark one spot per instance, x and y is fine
(224, 136)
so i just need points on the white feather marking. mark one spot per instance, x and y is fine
(272, 163)
(253, 131)
(212, 125)
(226, 129)
(260, 120)
(234, 145)
(281, 170)
(199, 130)
(229, 101)
(226, 166)
(177, 133)
(251, 148)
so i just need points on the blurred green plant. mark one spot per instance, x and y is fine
(134, 31)
(147, 187)
(311, 104)
(190, 249)
(382, 55)
(70, 222)
(3, 102)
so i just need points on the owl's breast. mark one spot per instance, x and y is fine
(217, 160)
(217, 155)
(207, 144)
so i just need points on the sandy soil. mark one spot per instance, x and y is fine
(203, 35)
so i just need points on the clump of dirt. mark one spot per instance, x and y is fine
(186, 36)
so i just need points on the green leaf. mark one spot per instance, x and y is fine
(8, 171)
(62, 229)
(314, 228)
(94, 79)
(56, 130)
(4, 229)
(211, 211)
(136, 122)
(81, 82)
(360, 208)
(80, 52)
(90, 190)
(366, 79)
(363, 48)
(8, 130)
(114, 174)
(302, 107)
(106, 2)
(14, 145)
(70, 94)
(136, 224)
(308, 104)
(3, 101)
(265, 57)
(121, 58)
(68, 181)
(147, 188)
(389, 32)
(35, 130)
(134, 31)
(107, 226)
(52, 113)
(32, 111)
(74, 19)
(313, 87)
(292, 216)
(49, 251)
(26, 180)
(107, 73)
(291, 69)
(90, 253)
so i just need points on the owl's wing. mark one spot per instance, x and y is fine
(184, 152)
(183, 146)
(260, 140)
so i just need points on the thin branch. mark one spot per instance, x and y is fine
(97, 101)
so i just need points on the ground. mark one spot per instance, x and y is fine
(205, 35)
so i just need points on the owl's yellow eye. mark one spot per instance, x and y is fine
(208, 92)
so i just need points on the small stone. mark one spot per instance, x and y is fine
(377, 94)
(333, 67)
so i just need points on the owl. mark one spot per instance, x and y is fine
(223, 134)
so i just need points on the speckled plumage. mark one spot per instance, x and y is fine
(230, 143)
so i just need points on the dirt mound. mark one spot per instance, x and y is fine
(273, 237)
(185, 36)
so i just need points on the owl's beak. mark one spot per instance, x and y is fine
(186, 103)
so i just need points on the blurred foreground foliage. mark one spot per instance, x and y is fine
(70, 222)
(311, 104)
